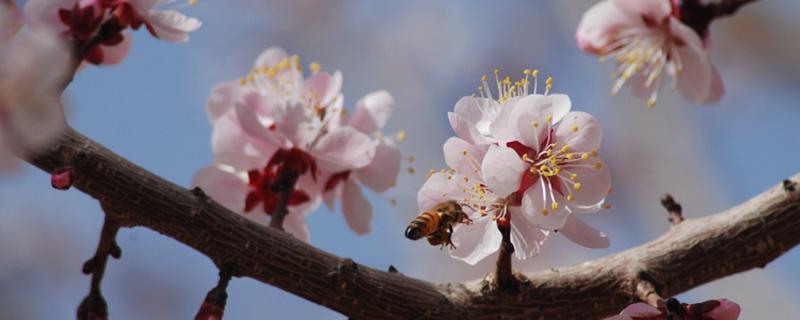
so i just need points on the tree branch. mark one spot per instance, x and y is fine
(688, 255)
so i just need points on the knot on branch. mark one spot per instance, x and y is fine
(344, 274)
(789, 185)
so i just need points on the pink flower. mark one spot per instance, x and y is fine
(33, 69)
(475, 241)
(722, 309)
(275, 125)
(306, 114)
(547, 157)
(647, 39)
(96, 25)
(370, 115)
(234, 190)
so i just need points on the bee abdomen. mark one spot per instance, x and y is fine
(423, 225)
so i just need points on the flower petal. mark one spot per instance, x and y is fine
(10, 22)
(526, 237)
(42, 15)
(34, 69)
(502, 170)
(372, 112)
(580, 131)
(224, 186)
(270, 57)
(295, 224)
(343, 149)
(171, 25)
(250, 124)
(727, 310)
(296, 123)
(381, 173)
(465, 158)
(600, 24)
(640, 309)
(533, 205)
(653, 9)
(115, 54)
(583, 234)
(695, 78)
(438, 189)
(232, 146)
(475, 241)
(223, 97)
(357, 210)
(595, 183)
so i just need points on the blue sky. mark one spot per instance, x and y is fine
(150, 109)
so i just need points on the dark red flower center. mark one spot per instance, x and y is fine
(279, 176)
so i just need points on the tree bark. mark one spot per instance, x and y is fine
(688, 255)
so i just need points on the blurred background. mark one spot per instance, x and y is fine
(428, 54)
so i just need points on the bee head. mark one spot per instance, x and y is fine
(413, 233)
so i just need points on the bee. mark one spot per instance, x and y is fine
(437, 224)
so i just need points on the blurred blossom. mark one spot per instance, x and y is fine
(97, 25)
(647, 39)
(33, 70)
(722, 309)
(294, 126)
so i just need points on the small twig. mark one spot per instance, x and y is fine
(94, 306)
(674, 209)
(504, 275)
(213, 306)
(699, 16)
(647, 290)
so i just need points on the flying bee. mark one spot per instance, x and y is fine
(437, 223)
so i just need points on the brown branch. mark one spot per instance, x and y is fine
(699, 16)
(690, 254)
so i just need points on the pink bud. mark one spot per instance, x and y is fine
(62, 178)
(209, 311)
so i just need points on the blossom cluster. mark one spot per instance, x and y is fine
(280, 131)
(36, 49)
(520, 159)
(96, 26)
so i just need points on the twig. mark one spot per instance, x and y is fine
(674, 209)
(94, 306)
(690, 254)
(213, 306)
(647, 290)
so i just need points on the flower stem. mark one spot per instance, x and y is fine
(285, 189)
(503, 274)
(698, 16)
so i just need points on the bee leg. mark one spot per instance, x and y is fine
(450, 243)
